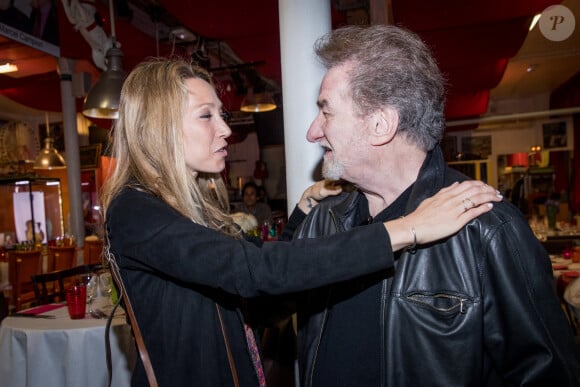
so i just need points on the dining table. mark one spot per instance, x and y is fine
(564, 265)
(43, 346)
(566, 269)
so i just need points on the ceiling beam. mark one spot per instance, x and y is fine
(515, 116)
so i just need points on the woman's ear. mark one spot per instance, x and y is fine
(386, 121)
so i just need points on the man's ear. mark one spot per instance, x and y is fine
(386, 121)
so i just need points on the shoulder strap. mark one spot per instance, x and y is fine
(135, 327)
(139, 339)
(228, 350)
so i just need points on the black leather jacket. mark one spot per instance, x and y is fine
(476, 309)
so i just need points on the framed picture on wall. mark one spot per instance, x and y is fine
(7, 239)
(90, 156)
(476, 147)
(555, 134)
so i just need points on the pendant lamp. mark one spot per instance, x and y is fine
(257, 99)
(257, 102)
(49, 158)
(102, 101)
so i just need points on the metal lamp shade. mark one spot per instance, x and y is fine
(102, 101)
(257, 102)
(49, 158)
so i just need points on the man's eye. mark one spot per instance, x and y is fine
(206, 116)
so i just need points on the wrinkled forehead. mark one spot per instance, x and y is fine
(336, 91)
(336, 83)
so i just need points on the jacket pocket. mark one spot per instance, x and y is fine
(445, 304)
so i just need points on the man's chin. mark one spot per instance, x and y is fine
(331, 171)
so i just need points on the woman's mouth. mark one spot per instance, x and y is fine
(222, 151)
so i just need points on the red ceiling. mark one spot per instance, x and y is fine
(472, 41)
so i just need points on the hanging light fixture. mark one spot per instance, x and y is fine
(102, 101)
(7, 67)
(49, 158)
(257, 100)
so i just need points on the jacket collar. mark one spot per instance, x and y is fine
(430, 179)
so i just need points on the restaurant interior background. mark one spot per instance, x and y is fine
(513, 101)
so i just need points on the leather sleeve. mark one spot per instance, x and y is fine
(526, 333)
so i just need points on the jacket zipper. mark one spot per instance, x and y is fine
(323, 322)
(384, 309)
(463, 302)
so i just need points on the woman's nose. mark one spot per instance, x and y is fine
(225, 131)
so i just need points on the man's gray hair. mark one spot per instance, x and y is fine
(391, 66)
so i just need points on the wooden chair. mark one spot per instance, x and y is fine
(93, 251)
(23, 264)
(50, 287)
(60, 258)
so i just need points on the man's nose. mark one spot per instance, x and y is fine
(314, 133)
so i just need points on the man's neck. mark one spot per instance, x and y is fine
(391, 179)
(378, 202)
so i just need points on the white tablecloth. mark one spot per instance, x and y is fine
(61, 352)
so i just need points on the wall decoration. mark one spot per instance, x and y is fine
(7, 239)
(18, 141)
(99, 135)
(555, 135)
(90, 156)
(478, 147)
(33, 23)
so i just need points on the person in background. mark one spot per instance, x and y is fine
(251, 205)
(262, 195)
(475, 309)
(186, 265)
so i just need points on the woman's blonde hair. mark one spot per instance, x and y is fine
(147, 144)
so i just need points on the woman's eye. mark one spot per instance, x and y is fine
(206, 116)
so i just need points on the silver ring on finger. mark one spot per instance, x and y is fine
(468, 204)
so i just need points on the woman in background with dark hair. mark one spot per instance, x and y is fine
(251, 205)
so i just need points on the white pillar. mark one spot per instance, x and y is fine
(301, 23)
(71, 143)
